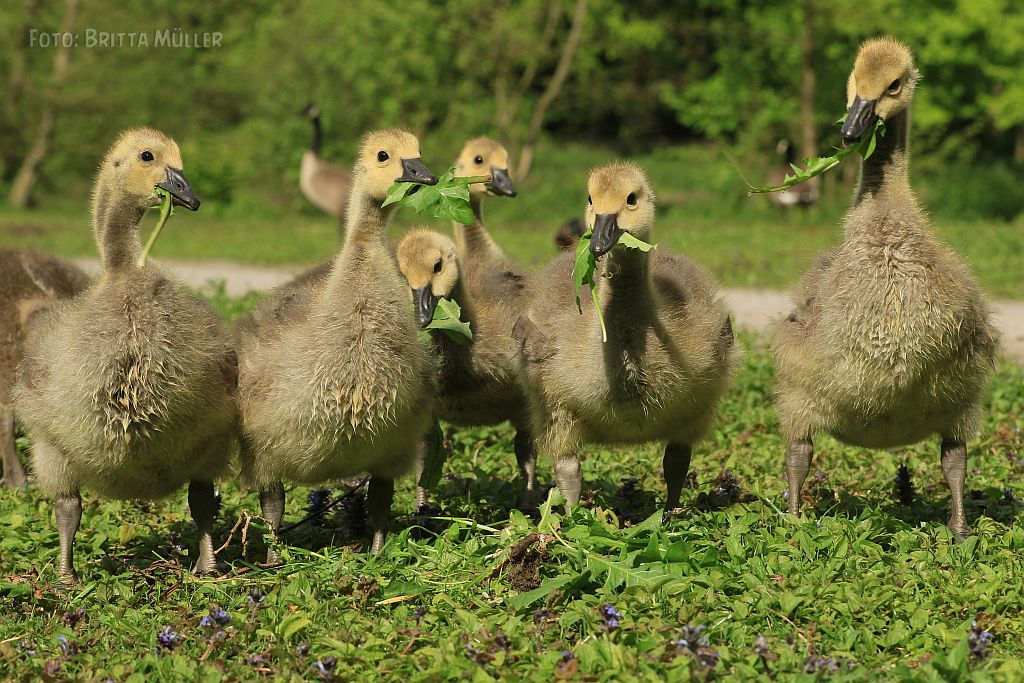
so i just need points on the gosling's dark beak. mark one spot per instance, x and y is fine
(424, 301)
(500, 184)
(180, 189)
(858, 119)
(606, 233)
(415, 171)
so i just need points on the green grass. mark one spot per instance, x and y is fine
(859, 577)
(703, 212)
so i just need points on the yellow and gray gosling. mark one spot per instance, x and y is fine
(670, 353)
(129, 389)
(890, 340)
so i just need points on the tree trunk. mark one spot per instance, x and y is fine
(507, 105)
(808, 138)
(554, 86)
(25, 180)
(19, 66)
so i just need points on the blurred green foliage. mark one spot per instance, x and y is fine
(647, 75)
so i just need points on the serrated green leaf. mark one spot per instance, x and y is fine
(629, 241)
(546, 587)
(446, 318)
(447, 199)
(815, 166)
(585, 266)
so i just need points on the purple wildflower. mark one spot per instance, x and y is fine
(317, 501)
(694, 643)
(610, 617)
(324, 668)
(167, 640)
(978, 641)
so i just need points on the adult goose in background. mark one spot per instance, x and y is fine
(325, 185)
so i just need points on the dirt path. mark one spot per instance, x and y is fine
(752, 309)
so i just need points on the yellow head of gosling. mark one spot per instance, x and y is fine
(484, 156)
(427, 261)
(387, 157)
(141, 160)
(880, 86)
(619, 200)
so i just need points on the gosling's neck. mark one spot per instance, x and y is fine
(883, 189)
(886, 172)
(624, 278)
(366, 222)
(115, 224)
(474, 239)
(464, 299)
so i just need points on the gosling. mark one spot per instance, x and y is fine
(30, 282)
(129, 389)
(333, 377)
(890, 341)
(669, 356)
(476, 382)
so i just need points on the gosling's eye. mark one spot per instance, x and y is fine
(590, 200)
(631, 199)
(146, 156)
(382, 156)
(479, 160)
(894, 87)
(437, 266)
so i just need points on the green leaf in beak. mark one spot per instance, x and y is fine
(585, 266)
(448, 199)
(815, 166)
(446, 318)
(166, 211)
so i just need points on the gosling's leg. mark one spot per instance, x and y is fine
(798, 464)
(379, 495)
(676, 463)
(526, 456)
(69, 517)
(202, 504)
(569, 476)
(272, 509)
(954, 469)
(422, 495)
(14, 473)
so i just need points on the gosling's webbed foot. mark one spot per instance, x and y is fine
(954, 469)
(799, 453)
(272, 499)
(960, 530)
(206, 566)
(202, 504)
(379, 537)
(569, 476)
(68, 578)
(68, 509)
